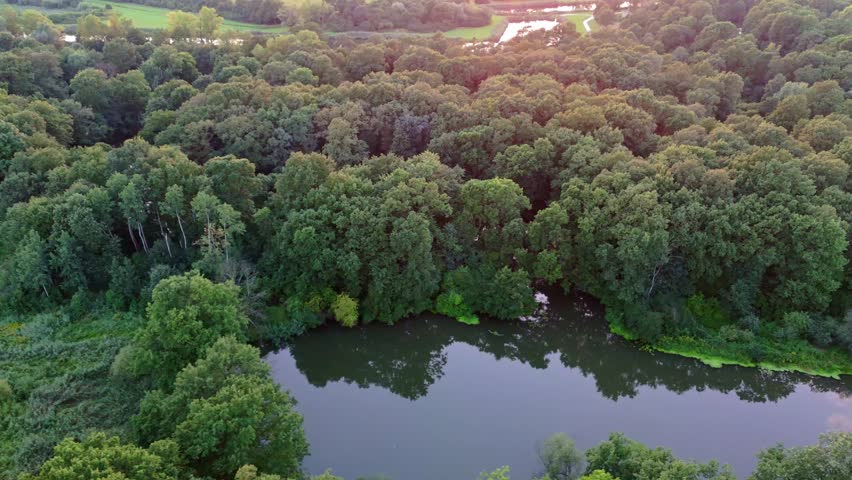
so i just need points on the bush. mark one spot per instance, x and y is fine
(798, 323)
(345, 310)
(749, 322)
(757, 351)
(649, 327)
(731, 333)
(707, 310)
(452, 304)
(821, 331)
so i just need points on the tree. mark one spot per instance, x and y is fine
(223, 362)
(182, 25)
(501, 473)
(209, 23)
(559, 458)
(598, 475)
(30, 270)
(345, 310)
(249, 421)
(823, 133)
(626, 459)
(343, 144)
(186, 315)
(363, 60)
(604, 15)
(99, 456)
(788, 113)
(830, 459)
(167, 63)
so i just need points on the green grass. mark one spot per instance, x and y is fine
(485, 32)
(577, 19)
(787, 356)
(153, 18)
(58, 367)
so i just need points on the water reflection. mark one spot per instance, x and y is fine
(407, 359)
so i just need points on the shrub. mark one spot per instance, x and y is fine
(797, 323)
(757, 351)
(731, 333)
(649, 326)
(345, 310)
(452, 304)
(749, 322)
(707, 311)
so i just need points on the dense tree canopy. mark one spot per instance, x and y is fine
(689, 166)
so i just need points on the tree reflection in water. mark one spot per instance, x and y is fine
(409, 357)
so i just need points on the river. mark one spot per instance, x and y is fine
(431, 398)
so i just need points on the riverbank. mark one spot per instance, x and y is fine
(775, 355)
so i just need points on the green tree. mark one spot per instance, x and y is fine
(560, 458)
(209, 23)
(830, 459)
(99, 456)
(223, 361)
(249, 421)
(186, 315)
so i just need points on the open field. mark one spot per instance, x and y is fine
(493, 29)
(577, 19)
(146, 17)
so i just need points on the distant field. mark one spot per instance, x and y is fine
(479, 33)
(152, 18)
(578, 18)
(155, 18)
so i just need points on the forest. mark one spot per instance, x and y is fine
(171, 200)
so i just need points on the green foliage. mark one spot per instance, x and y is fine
(695, 154)
(560, 458)
(598, 475)
(502, 293)
(224, 361)
(452, 304)
(6, 393)
(187, 314)
(100, 456)
(345, 310)
(627, 459)
(250, 420)
(58, 367)
(501, 473)
(708, 311)
(830, 459)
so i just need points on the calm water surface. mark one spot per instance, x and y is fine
(430, 398)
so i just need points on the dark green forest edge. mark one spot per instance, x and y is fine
(163, 204)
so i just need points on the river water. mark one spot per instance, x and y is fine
(430, 398)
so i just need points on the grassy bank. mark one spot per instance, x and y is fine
(789, 355)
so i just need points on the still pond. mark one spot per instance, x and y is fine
(433, 399)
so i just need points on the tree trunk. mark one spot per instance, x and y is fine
(163, 233)
(182, 232)
(132, 236)
(142, 237)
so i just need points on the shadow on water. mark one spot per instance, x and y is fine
(408, 358)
